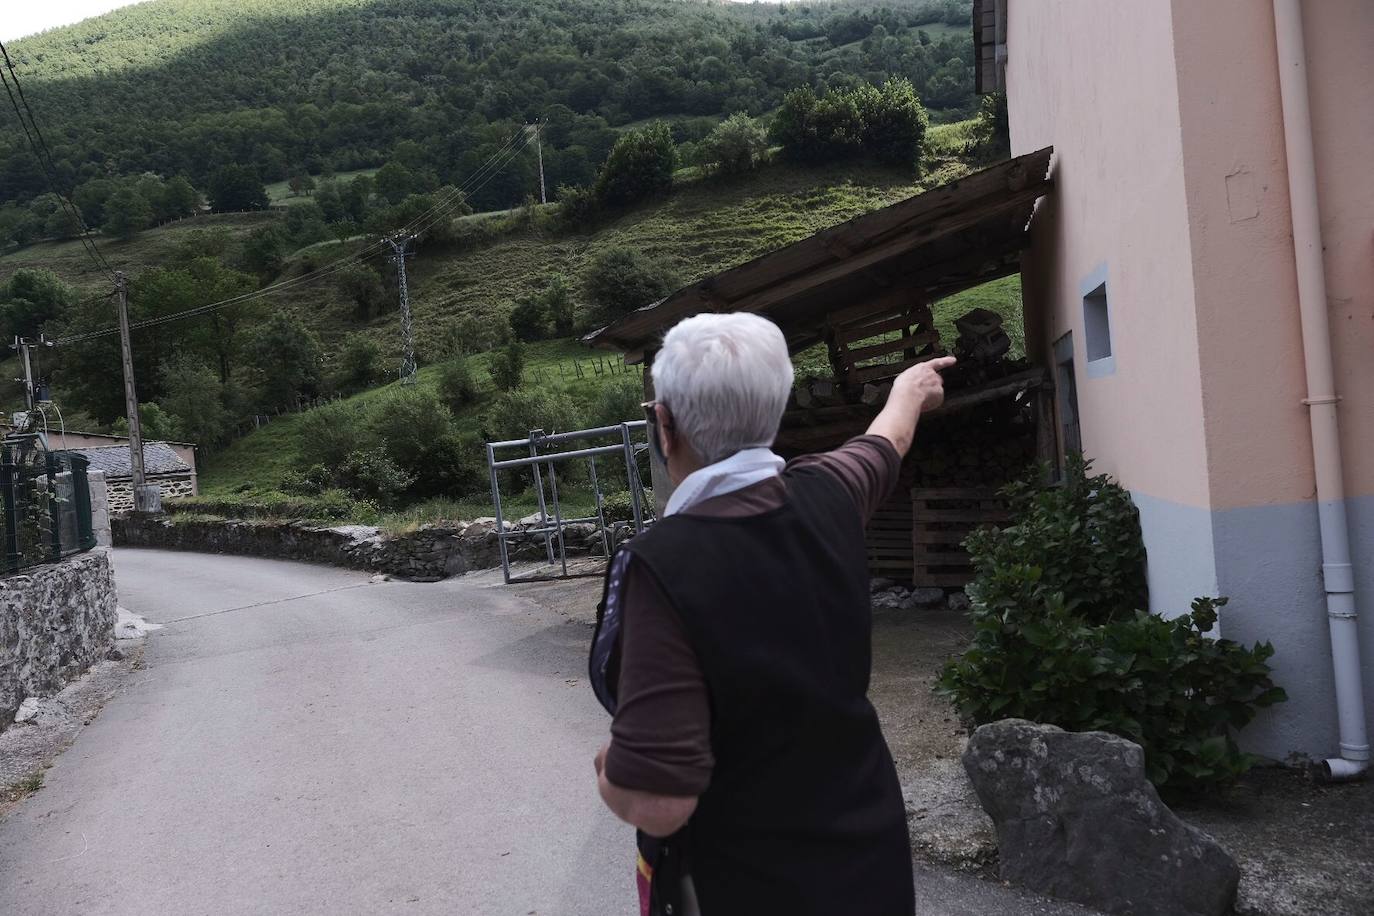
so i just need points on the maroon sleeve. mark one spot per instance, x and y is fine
(868, 466)
(661, 732)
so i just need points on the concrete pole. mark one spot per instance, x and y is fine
(146, 498)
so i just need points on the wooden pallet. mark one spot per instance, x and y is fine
(941, 519)
(888, 539)
(862, 346)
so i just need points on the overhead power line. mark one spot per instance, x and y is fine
(39, 145)
(417, 225)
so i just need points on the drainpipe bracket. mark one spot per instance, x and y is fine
(1338, 579)
(1324, 399)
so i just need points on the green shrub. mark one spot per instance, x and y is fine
(515, 413)
(312, 481)
(371, 474)
(457, 387)
(508, 366)
(418, 434)
(1163, 684)
(579, 208)
(619, 401)
(1058, 638)
(528, 320)
(620, 280)
(888, 124)
(639, 166)
(330, 433)
(359, 363)
(1083, 535)
(737, 145)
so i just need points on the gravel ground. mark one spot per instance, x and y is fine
(28, 749)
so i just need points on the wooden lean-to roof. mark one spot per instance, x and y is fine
(928, 246)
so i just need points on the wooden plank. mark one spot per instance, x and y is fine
(854, 333)
(889, 301)
(954, 493)
(906, 342)
(972, 516)
(885, 370)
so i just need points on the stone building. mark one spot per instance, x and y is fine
(162, 465)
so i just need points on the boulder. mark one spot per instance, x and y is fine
(958, 601)
(28, 710)
(879, 584)
(1077, 819)
(924, 598)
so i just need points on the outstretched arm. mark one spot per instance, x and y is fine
(915, 391)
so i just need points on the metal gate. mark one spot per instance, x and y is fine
(543, 464)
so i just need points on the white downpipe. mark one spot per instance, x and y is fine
(1337, 573)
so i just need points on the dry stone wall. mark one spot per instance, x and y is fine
(56, 621)
(173, 486)
(428, 553)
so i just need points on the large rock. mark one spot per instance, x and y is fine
(1077, 819)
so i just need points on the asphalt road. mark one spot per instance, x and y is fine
(301, 740)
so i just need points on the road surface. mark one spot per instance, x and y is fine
(301, 740)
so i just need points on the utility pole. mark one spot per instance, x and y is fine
(146, 498)
(539, 149)
(22, 347)
(398, 245)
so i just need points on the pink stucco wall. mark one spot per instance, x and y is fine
(1170, 168)
(1102, 90)
(1258, 448)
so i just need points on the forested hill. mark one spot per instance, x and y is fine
(182, 87)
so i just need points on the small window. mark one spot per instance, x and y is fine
(1097, 325)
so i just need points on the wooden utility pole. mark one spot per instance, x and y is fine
(539, 150)
(146, 498)
(22, 347)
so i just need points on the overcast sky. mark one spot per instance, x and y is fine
(24, 17)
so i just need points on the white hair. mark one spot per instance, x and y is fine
(725, 379)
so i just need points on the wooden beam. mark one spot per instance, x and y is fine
(892, 346)
(954, 222)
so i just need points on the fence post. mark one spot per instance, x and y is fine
(7, 485)
(54, 507)
(81, 494)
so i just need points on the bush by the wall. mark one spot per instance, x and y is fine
(1057, 639)
(1082, 535)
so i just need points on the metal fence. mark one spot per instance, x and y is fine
(47, 503)
(543, 464)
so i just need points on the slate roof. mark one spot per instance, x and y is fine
(158, 458)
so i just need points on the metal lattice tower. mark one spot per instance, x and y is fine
(398, 257)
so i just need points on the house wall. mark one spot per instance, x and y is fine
(1267, 543)
(1102, 90)
(1167, 124)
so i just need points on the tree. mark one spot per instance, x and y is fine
(528, 320)
(894, 123)
(153, 422)
(457, 387)
(264, 251)
(361, 284)
(558, 306)
(193, 399)
(236, 187)
(180, 198)
(127, 212)
(508, 365)
(738, 144)
(30, 299)
(394, 182)
(620, 280)
(301, 184)
(286, 358)
(640, 166)
(359, 364)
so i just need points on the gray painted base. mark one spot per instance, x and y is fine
(1267, 559)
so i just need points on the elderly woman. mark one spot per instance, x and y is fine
(733, 647)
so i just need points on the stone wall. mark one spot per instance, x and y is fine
(428, 553)
(56, 621)
(121, 492)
